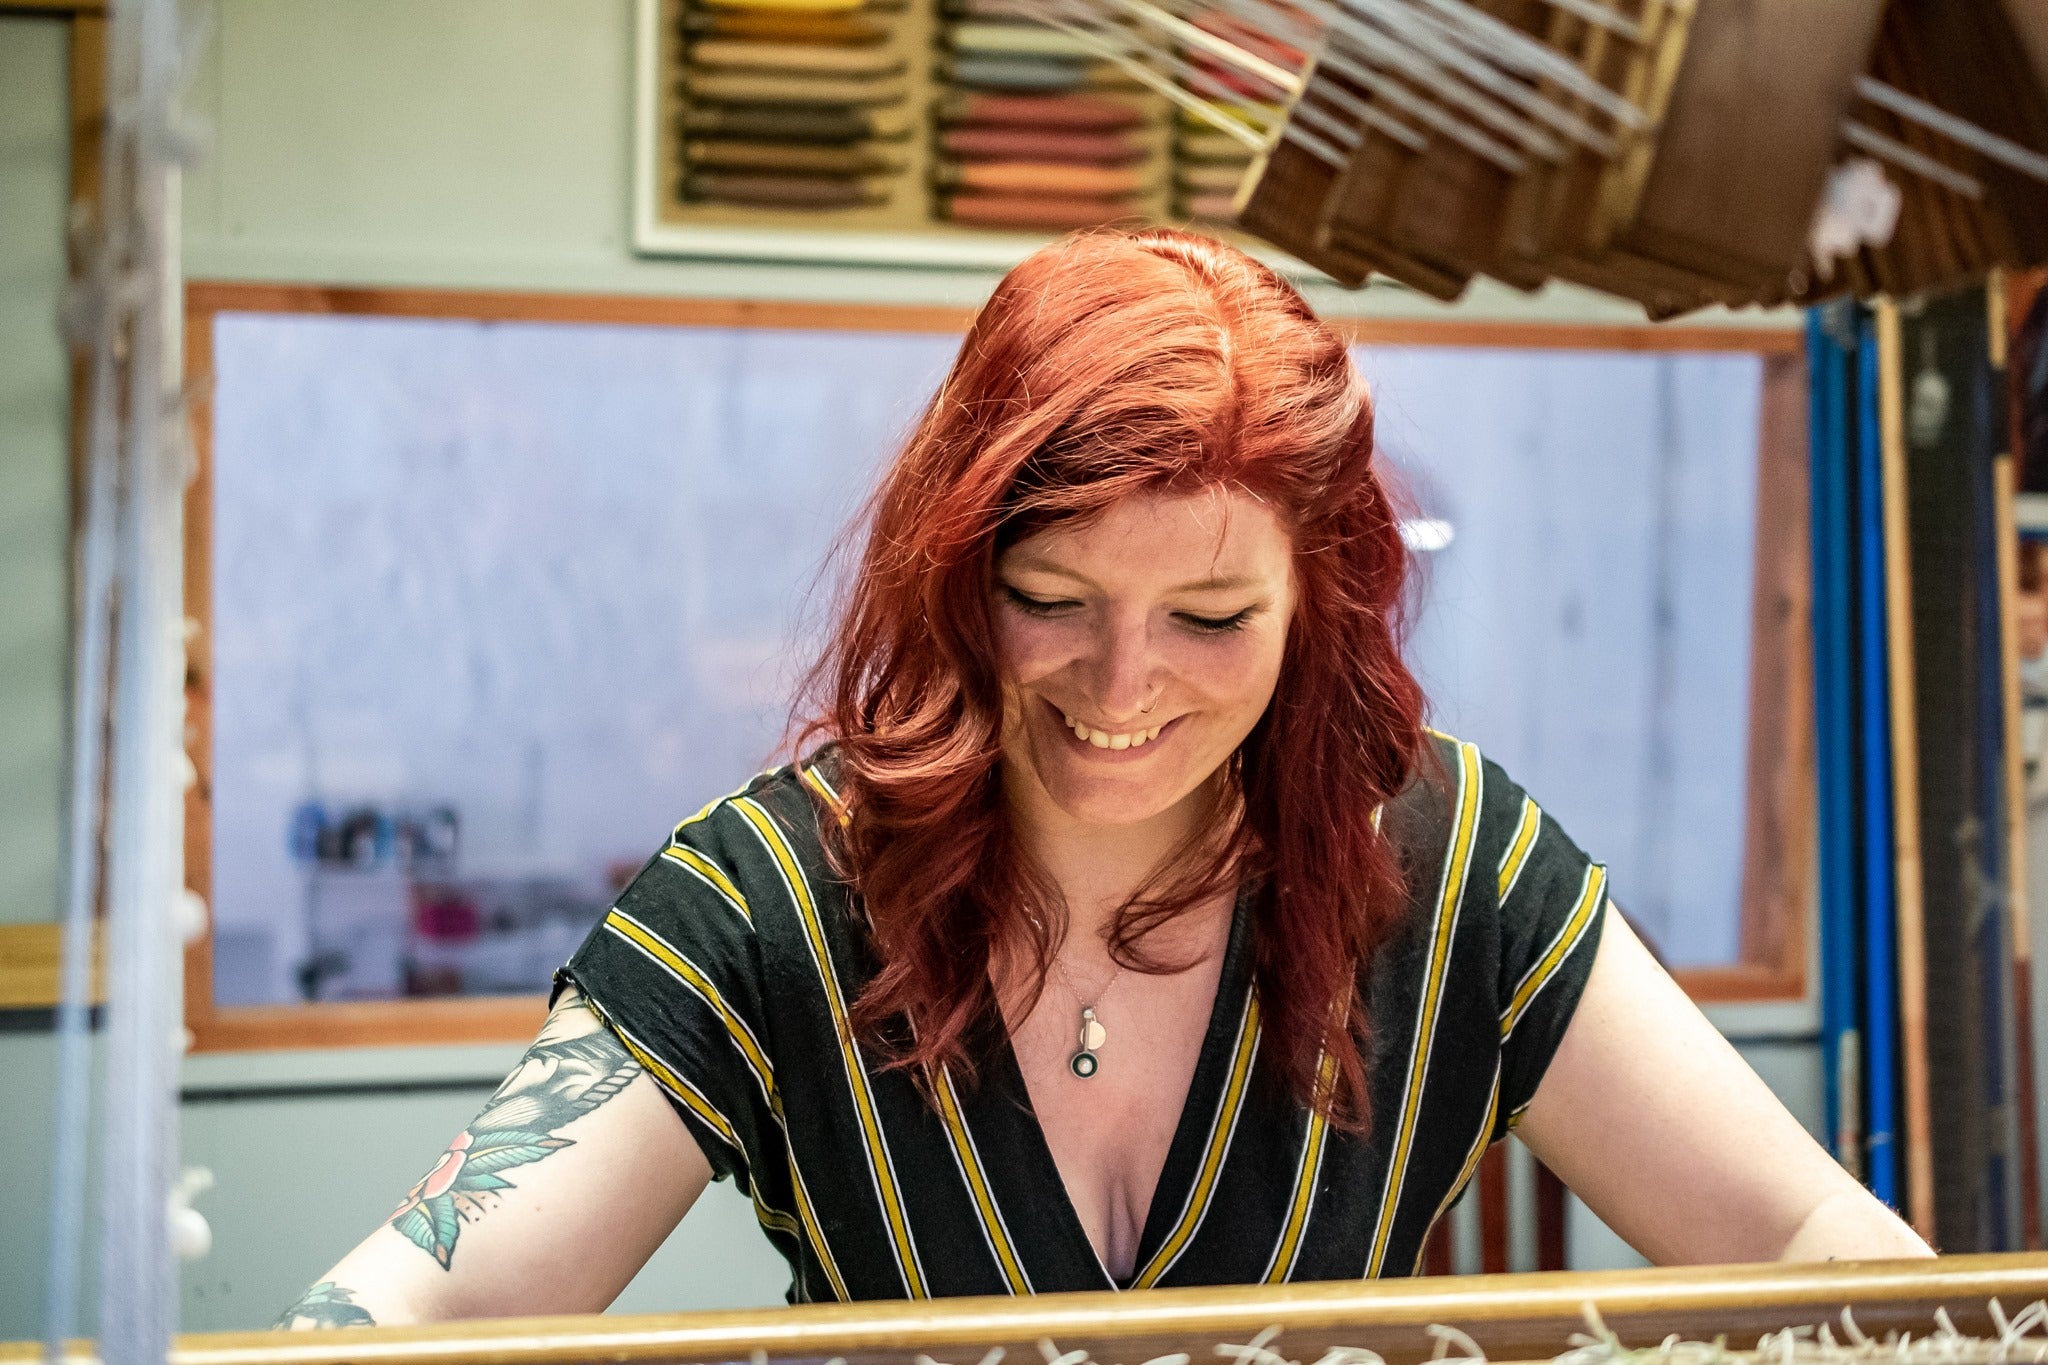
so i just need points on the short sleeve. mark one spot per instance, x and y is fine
(674, 969)
(1550, 897)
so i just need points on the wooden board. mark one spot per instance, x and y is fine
(1513, 1317)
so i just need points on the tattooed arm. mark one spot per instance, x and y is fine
(547, 1203)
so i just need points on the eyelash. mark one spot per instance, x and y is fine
(1205, 625)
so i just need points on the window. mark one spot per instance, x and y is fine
(497, 588)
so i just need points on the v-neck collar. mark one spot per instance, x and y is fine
(1193, 1158)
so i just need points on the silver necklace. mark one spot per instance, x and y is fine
(1084, 1063)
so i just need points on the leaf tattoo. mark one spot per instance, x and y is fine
(326, 1304)
(560, 1079)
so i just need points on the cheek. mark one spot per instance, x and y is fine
(1234, 671)
(1030, 648)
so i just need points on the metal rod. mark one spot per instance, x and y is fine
(1980, 140)
(1220, 48)
(1153, 80)
(1520, 51)
(1425, 61)
(1865, 139)
(1424, 111)
(1514, 89)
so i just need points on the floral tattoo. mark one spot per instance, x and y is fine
(561, 1078)
(326, 1304)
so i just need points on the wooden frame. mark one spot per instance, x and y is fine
(1778, 872)
(1520, 1318)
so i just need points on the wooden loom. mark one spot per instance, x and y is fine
(1509, 1317)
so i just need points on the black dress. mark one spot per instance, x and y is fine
(728, 965)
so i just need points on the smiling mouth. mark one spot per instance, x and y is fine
(1105, 739)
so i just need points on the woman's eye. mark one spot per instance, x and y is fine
(1216, 625)
(1037, 606)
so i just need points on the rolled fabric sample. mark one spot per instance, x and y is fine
(1034, 211)
(1213, 147)
(1034, 177)
(807, 6)
(821, 123)
(784, 26)
(794, 58)
(1020, 39)
(765, 190)
(1098, 113)
(1216, 208)
(1263, 113)
(1216, 177)
(997, 143)
(700, 83)
(1030, 11)
(1241, 84)
(803, 158)
(1017, 73)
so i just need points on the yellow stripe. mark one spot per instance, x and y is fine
(1456, 861)
(1304, 1182)
(969, 1158)
(1591, 892)
(704, 1109)
(1472, 1159)
(710, 872)
(710, 806)
(1519, 846)
(810, 1217)
(1220, 1131)
(856, 1075)
(743, 1037)
(817, 783)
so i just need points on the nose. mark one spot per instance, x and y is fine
(1123, 669)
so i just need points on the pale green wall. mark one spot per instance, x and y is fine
(478, 143)
(34, 482)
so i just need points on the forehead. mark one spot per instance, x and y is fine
(1165, 540)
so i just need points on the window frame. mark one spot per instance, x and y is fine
(1779, 845)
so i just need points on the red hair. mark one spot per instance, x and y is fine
(1107, 364)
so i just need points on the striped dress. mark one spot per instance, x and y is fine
(727, 968)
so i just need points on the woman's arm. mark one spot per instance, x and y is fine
(549, 1201)
(1661, 1127)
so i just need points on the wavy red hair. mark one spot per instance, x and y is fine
(1107, 364)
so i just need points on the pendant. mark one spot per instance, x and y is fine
(1085, 1063)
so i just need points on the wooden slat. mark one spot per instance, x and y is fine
(207, 297)
(1513, 1318)
(1778, 847)
(54, 9)
(201, 1017)
(1552, 1247)
(1493, 1210)
(31, 966)
(1905, 741)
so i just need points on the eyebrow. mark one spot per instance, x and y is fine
(1029, 564)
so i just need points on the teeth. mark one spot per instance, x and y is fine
(1102, 739)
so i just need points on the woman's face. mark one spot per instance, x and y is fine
(1139, 649)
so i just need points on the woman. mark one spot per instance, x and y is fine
(1126, 927)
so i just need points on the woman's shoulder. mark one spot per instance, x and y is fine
(1456, 799)
(767, 832)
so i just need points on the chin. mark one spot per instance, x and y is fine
(1124, 793)
(1111, 803)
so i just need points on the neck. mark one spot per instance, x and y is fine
(1098, 867)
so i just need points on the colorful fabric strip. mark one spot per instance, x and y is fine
(861, 158)
(783, 191)
(1032, 177)
(974, 141)
(812, 58)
